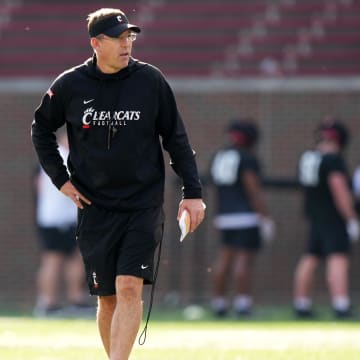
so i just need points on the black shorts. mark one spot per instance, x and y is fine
(327, 239)
(118, 243)
(60, 240)
(245, 239)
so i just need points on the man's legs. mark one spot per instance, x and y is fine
(75, 278)
(337, 267)
(221, 273)
(106, 308)
(243, 271)
(303, 281)
(127, 316)
(48, 278)
(119, 317)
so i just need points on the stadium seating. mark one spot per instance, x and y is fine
(191, 38)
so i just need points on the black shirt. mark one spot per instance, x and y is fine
(115, 124)
(315, 169)
(227, 169)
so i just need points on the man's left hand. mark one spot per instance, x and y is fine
(196, 209)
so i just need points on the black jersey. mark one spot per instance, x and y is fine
(314, 171)
(227, 169)
(115, 123)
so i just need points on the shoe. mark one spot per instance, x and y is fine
(219, 306)
(48, 312)
(220, 313)
(304, 314)
(343, 314)
(82, 306)
(83, 310)
(243, 313)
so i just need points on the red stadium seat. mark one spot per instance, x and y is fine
(191, 38)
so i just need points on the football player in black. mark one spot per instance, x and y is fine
(333, 224)
(242, 216)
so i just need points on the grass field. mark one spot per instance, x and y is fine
(25, 338)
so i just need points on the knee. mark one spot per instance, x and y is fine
(128, 288)
(243, 266)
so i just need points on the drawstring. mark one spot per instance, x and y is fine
(142, 337)
(111, 133)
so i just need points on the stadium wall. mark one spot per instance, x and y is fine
(287, 112)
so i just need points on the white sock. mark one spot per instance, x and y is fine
(43, 302)
(242, 302)
(341, 303)
(303, 303)
(219, 303)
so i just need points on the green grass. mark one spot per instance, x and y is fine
(169, 337)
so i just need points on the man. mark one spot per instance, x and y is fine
(56, 225)
(332, 219)
(115, 109)
(242, 216)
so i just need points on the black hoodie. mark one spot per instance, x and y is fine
(114, 125)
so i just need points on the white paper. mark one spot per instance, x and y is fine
(182, 225)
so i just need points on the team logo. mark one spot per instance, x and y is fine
(119, 19)
(96, 284)
(93, 118)
(50, 93)
(87, 117)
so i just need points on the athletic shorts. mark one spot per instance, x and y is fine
(118, 243)
(60, 240)
(327, 239)
(245, 239)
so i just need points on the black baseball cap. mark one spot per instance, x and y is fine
(335, 131)
(112, 26)
(247, 128)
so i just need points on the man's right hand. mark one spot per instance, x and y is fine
(69, 190)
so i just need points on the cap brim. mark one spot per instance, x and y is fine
(119, 29)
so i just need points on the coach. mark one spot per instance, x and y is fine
(116, 110)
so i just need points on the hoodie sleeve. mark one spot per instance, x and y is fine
(175, 142)
(49, 116)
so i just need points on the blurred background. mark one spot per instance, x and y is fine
(285, 63)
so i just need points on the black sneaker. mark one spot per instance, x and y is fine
(48, 312)
(343, 314)
(80, 310)
(82, 306)
(220, 313)
(304, 313)
(243, 313)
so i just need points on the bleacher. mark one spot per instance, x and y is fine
(299, 38)
(44, 38)
(200, 38)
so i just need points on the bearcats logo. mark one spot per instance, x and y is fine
(92, 117)
(87, 115)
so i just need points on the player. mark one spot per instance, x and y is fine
(116, 110)
(56, 222)
(333, 224)
(242, 216)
